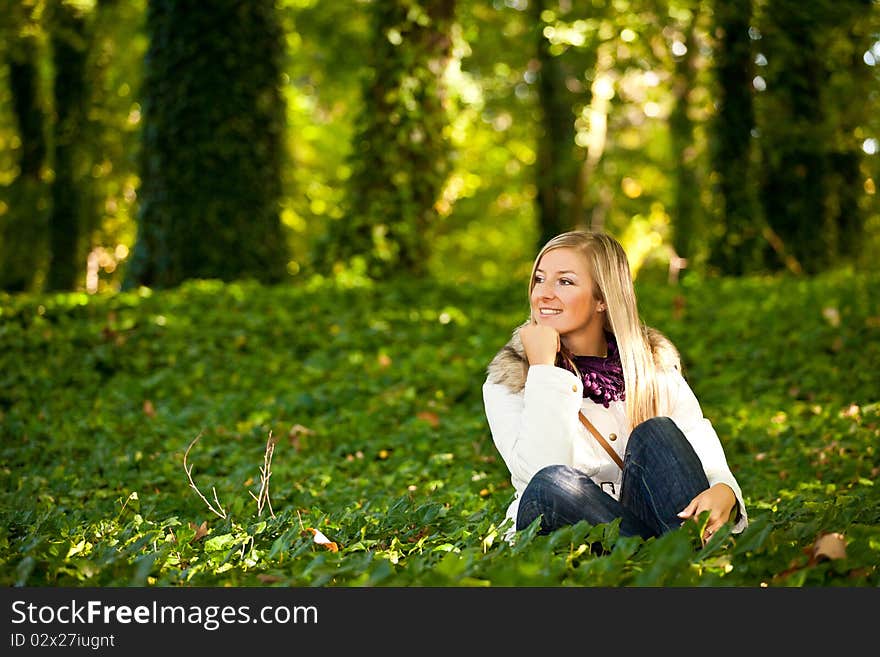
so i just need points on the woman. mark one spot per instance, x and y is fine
(585, 365)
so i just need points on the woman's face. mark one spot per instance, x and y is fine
(562, 296)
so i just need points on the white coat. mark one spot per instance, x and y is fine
(533, 417)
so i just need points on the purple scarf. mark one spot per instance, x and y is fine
(602, 377)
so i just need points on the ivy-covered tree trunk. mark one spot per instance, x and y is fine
(69, 54)
(556, 167)
(400, 156)
(22, 227)
(737, 245)
(795, 137)
(211, 148)
(27, 107)
(681, 132)
(847, 198)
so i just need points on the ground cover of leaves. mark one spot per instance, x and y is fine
(383, 471)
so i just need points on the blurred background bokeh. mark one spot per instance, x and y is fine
(148, 142)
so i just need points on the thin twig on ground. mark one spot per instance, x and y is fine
(219, 510)
(265, 473)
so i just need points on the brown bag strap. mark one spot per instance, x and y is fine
(602, 441)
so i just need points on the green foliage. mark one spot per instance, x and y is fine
(373, 395)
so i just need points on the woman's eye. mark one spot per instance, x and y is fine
(565, 281)
(539, 279)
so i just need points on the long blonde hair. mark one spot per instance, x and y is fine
(613, 284)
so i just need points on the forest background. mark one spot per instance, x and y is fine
(444, 137)
(233, 226)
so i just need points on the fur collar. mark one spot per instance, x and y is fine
(510, 366)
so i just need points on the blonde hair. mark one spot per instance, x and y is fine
(612, 283)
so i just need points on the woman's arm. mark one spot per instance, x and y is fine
(685, 411)
(537, 427)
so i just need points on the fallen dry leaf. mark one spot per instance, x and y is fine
(431, 418)
(831, 315)
(294, 434)
(298, 429)
(829, 546)
(201, 531)
(149, 409)
(852, 411)
(320, 539)
(419, 535)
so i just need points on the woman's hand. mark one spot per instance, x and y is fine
(719, 501)
(541, 343)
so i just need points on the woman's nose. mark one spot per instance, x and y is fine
(544, 292)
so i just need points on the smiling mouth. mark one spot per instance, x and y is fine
(545, 312)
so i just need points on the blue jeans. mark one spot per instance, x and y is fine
(661, 475)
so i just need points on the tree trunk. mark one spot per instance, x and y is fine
(681, 128)
(22, 227)
(556, 168)
(211, 150)
(69, 52)
(401, 156)
(847, 186)
(737, 247)
(795, 137)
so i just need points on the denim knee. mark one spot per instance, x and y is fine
(548, 477)
(553, 475)
(653, 432)
(534, 499)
